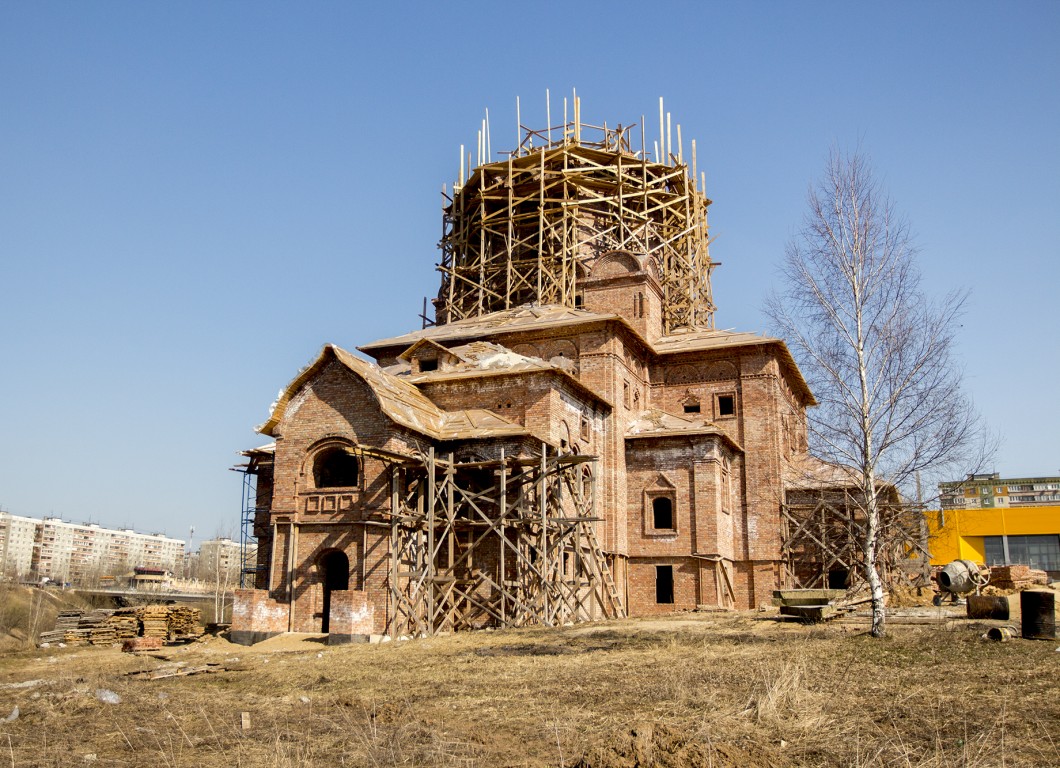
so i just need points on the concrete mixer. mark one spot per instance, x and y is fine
(961, 577)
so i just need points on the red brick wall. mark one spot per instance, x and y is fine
(352, 613)
(253, 610)
(642, 575)
(742, 525)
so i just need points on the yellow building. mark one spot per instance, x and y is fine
(1025, 535)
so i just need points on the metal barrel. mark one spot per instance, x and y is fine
(987, 607)
(1001, 634)
(1039, 614)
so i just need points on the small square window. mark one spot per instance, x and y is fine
(692, 408)
(428, 365)
(726, 405)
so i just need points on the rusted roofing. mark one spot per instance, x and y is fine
(708, 339)
(407, 354)
(526, 317)
(480, 359)
(400, 401)
(478, 423)
(536, 317)
(696, 341)
(483, 357)
(656, 423)
(806, 471)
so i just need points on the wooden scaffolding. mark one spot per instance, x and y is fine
(527, 228)
(821, 533)
(502, 543)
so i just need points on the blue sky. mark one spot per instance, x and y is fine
(194, 197)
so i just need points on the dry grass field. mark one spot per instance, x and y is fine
(691, 690)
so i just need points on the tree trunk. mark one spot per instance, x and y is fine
(872, 574)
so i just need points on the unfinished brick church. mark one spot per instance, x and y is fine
(571, 438)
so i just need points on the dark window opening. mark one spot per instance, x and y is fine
(335, 468)
(579, 300)
(691, 407)
(428, 365)
(837, 579)
(664, 584)
(726, 405)
(662, 512)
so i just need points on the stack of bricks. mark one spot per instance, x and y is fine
(141, 644)
(1016, 577)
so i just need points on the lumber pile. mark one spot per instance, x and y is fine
(65, 622)
(94, 629)
(78, 628)
(107, 627)
(155, 621)
(170, 621)
(185, 621)
(1016, 577)
(124, 623)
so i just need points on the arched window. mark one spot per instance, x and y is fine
(662, 510)
(335, 468)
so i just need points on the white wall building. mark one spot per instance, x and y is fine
(17, 538)
(73, 552)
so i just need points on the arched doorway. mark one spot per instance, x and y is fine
(334, 569)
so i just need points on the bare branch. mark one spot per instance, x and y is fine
(875, 350)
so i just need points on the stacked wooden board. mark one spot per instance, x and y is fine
(65, 622)
(155, 621)
(107, 627)
(184, 621)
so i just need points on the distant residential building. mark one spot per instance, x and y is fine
(998, 521)
(17, 538)
(220, 557)
(987, 491)
(70, 552)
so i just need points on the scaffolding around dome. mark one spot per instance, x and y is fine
(527, 229)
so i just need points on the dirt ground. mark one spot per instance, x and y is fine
(688, 690)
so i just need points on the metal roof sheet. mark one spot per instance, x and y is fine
(400, 401)
(528, 316)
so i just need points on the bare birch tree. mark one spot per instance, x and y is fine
(876, 351)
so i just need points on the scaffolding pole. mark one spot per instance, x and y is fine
(500, 543)
(527, 229)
